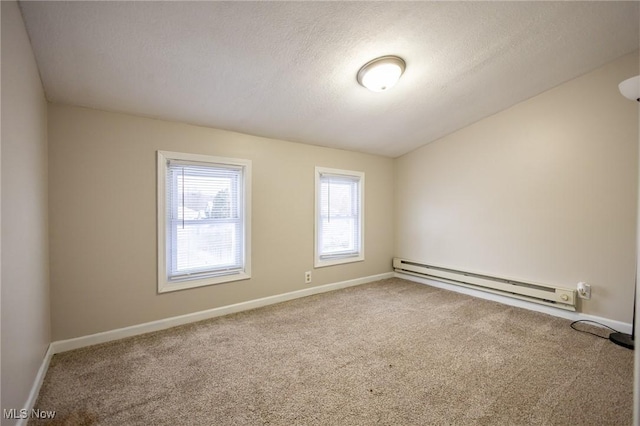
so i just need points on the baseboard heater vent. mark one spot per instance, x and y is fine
(558, 297)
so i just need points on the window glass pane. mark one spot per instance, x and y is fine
(338, 235)
(199, 193)
(339, 216)
(206, 246)
(205, 219)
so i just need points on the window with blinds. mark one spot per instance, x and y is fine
(203, 220)
(339, 216)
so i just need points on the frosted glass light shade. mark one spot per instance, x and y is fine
(381, 73)
(630, 88)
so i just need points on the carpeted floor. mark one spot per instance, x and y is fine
(389, 352)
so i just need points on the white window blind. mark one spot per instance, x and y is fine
(339, 216)
(205, 221)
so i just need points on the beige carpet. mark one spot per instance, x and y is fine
(390, 352)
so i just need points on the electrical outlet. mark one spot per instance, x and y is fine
(307, 277)
(584, 290)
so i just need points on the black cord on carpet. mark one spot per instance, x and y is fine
(594, 334)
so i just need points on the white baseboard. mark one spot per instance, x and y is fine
(573, 316)
(37, 384)
(134, 330)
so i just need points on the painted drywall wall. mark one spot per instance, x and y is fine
(102, 177)
(25, 271)
(545, 191)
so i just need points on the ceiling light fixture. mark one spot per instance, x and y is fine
(630, 88)
(381, 73)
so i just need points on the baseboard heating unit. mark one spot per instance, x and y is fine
(544, 294)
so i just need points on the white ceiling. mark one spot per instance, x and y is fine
(287, 70)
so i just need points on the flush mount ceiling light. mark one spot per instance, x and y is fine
(381, 73)
(630, 88)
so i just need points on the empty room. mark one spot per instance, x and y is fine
(319, 213)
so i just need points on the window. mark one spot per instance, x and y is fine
(203, 220)
(339, 217)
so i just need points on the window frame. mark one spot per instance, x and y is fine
(164, 283)
(319, 262)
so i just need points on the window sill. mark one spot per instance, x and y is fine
(338, 261)
(167, 287)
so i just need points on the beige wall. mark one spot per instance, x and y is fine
(102, 178)
(544, 191)
(25, 285)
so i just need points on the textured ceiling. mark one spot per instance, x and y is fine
(287, 70)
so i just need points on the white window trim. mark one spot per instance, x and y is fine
(318, 262)
(164, 285)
